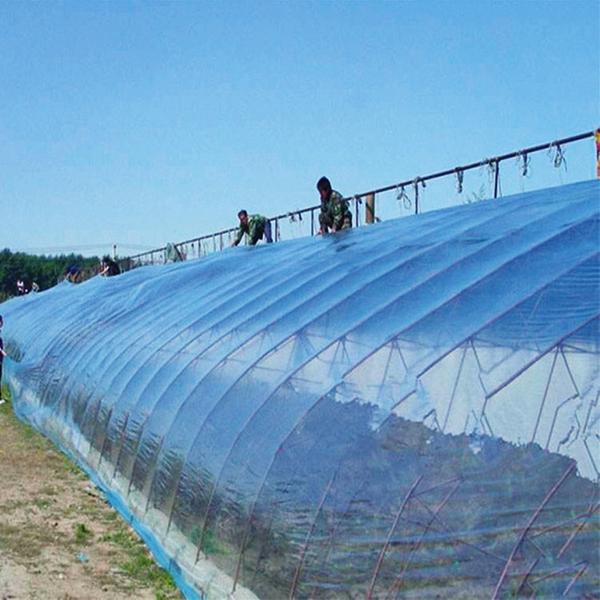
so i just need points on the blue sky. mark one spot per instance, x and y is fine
(139, 123)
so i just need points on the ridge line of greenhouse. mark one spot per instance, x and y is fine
(159, 255)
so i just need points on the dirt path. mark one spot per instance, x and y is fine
(59, 539)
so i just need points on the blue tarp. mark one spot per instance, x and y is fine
(405, 410)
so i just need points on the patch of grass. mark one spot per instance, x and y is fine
(5, 407)
(41, 503)
(12, 506)
(33, 437)
(82, 534)
(48, 490)
(111, 516)
(28, 433)
(73, 468)
(23, 544)
(121, 538)
(141, 565)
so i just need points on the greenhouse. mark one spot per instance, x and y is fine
(404, 410)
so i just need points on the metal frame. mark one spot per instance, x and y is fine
(148, 257)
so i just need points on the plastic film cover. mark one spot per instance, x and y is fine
(405, 410)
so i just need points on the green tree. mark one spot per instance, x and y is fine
(46, 271)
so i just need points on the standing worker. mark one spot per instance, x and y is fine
(255, 226)
(335, 214)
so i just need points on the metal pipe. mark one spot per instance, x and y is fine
(437, 175)
(478, 164)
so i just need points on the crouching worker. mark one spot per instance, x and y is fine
(335, 214)
(73, 274)
(109, 267)
(255, 226)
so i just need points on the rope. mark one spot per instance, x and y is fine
(558, 159)
(417, 181)
(460, 175)
(524, 162)
(489, 165)
(492, 165)
(402, 196)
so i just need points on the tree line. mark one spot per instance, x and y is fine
(46, 271)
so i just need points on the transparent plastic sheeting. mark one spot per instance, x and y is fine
(404, 410)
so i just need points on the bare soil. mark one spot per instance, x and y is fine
(59, 538)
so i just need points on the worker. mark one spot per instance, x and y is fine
(334, 215)
(255, 227)
(73, 274)
(108, 267)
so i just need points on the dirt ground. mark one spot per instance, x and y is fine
(59, 539)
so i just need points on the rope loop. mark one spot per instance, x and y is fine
(523, 162)
(491, 166)
(558, 156)
(419, 181)
(403, 197)
(460, 175)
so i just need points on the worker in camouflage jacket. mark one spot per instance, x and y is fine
(255, 227)
(335, 214)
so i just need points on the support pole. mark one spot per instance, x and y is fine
(370, 209)
(417, 198)
(496, 177)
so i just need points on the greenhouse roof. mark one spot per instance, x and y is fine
(377, 412)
